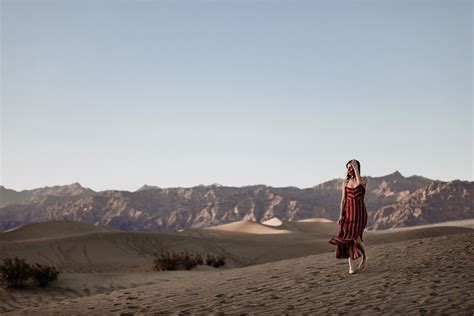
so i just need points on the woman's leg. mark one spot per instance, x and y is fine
(351, 269)
(363, 263)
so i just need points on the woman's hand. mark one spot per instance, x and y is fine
(354, 166)
(341, 219)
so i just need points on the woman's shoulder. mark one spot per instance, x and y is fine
(364, 182)
(344, 184)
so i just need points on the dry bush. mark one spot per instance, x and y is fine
(16, 273)
(216, 262)
(43, 274)
(167, 260)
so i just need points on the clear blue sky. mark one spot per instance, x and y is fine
(116, 94)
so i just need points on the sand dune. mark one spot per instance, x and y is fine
(400, 279)
(317, 220)
(117, 251)
(469, 223)
(78, 247)
(248, 226)
(274, 225)
(52, 229)
(274, 221)
(101, 268)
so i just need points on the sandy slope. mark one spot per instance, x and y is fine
(51, 229)
(100, 266)
(247, 226)
(469, 223)
(87, 250)
(402, 278)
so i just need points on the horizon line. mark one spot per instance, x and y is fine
(220, 184)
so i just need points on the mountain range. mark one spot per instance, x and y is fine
(392, 201)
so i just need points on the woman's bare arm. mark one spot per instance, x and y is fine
(343, 198)
(359, 179)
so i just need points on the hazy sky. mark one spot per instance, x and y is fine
(116, 94)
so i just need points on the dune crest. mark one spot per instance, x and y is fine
(274, 221)
(248, 226)
(52, 229)
(315, 220)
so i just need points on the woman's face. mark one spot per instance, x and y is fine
(350, 170)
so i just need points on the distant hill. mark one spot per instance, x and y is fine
(8, 196)
(392, 201)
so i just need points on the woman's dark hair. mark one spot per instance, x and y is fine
(358, 168)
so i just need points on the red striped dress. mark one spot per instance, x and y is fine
(352, 224)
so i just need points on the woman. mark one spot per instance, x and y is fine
(353, 219)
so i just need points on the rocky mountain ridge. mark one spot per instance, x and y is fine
(392, 201)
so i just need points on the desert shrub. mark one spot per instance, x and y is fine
(43, 274)
(209, 260)
(15, 272)
(220, 261)
(188, 260)
(198, 258)
(216, 262)
(167, 260)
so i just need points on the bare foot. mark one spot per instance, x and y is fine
(362, 264)
(351, 269)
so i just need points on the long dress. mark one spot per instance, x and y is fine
(352, 224)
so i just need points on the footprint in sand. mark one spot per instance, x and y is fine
(275, 296)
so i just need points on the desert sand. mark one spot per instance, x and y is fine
(270, 269)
